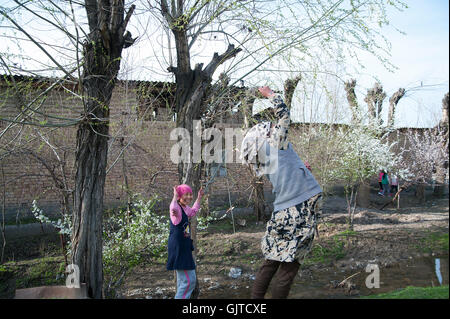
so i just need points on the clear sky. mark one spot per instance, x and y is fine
(422, 58)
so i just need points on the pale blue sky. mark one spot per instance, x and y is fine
(422, 56)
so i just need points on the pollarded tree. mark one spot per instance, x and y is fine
(352, 100)
(393, 101)
(374, 99)
(192, 84)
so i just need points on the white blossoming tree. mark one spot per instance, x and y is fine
(424, 152)
(365, 149)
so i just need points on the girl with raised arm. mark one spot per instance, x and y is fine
(180, 245)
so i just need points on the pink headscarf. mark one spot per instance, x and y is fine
(183, 189)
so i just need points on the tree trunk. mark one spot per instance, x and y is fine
(289, 88)
(444, 269)
(351, 205)
(393, 101)
(259, 206)
(92, 150)
(420, 193)
(374, 100)
(352, 100)
(445, 111)
(363, 198)
(102, 52)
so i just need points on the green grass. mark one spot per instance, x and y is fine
(348, 233)
(36, 272)
(326, 252)
(434, 242)
(414, 293)
(31, 273)
(330, 250)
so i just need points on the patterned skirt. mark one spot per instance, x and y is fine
(290, 232)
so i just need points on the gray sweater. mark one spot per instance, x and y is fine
(292, 182)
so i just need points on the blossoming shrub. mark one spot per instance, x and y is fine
(129, 236)
(366, 149)
(63, 225)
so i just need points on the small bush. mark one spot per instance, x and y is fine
(129, 235)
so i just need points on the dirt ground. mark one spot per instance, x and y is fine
(386, 237)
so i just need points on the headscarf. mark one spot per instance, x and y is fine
(183, 189)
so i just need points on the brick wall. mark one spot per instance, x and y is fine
(139, 152)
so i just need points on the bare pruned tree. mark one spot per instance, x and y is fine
(393, 101)
(289, 88)
(374, 99)
(352, 100)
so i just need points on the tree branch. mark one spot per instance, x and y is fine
(219, 59)
(37, 44)
(165, 12)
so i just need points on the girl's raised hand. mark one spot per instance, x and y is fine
(175, 194)
(201, 192)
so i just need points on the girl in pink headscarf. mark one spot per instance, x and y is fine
(180, 245)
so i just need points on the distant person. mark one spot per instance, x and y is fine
(380, 177)
(385, 184)
(394, 183)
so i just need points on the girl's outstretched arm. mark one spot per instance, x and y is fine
(190, 212)
(175, 209)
